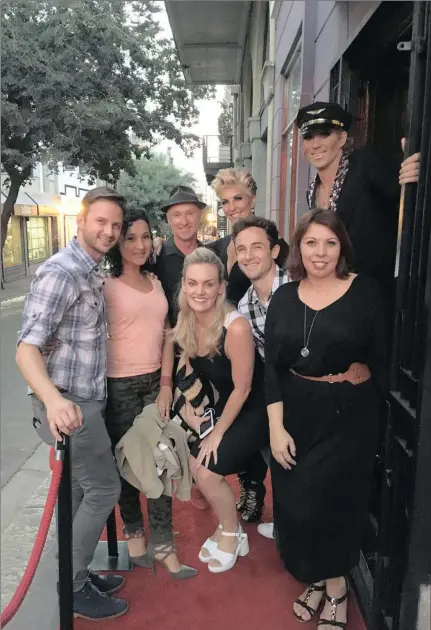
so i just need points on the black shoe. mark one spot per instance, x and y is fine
(107, 584)
(90, 603)
(254, 501)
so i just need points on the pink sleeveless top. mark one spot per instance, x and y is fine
(136, 323)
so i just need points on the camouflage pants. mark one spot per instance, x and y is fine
(126, 398)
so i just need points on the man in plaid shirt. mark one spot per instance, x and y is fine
(256, 245)
(61, 352)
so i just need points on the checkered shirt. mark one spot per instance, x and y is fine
(64, 316)
(252, 308)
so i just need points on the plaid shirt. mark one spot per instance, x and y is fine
(252, 308)
(65, 309)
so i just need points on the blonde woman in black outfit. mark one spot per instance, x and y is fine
(325, 364)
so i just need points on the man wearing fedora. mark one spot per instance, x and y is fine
(361, 186)
(183, 211)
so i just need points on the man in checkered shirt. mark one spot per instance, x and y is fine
(256, 245)
(61, 353)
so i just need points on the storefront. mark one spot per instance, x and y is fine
(32, 233)
(15, 253)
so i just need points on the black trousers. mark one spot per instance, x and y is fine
(255, 471)
(126, 398)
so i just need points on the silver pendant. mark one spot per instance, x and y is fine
(305, 352)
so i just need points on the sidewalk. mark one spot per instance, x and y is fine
(22, 504)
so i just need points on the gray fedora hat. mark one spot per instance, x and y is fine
(182, 194)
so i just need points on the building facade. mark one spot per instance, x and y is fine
(374, 58)
(44, 217)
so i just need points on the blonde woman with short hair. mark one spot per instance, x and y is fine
(217, 344)
(237, 191)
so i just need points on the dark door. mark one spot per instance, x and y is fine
(404, 536)
(385, 88)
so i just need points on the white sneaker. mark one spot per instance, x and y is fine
(266, 530)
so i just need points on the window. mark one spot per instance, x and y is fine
(289, 144)
(38, 240)
(334, 83)
(12, 251)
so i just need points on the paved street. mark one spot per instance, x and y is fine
(19, 440)
(25, 480)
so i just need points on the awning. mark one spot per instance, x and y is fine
(210, 38)
(47, 203)
(24, 206)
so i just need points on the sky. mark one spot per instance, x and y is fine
(207, 124)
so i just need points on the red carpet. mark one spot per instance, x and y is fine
(257, 594)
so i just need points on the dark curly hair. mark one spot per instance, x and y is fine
(113, 261)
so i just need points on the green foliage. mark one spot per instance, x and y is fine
(88, 82)
(153, 180)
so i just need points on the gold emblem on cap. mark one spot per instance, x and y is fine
(316, 111)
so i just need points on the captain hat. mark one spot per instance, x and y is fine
(324, 115)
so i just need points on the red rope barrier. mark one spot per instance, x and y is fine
(11, 609)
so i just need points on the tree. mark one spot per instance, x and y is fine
(153, 180)
(91, 83)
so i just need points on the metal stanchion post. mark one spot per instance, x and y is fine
(111, 535)
(64, 531)
(111, 555)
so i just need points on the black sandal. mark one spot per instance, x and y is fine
(335, 601)
(304, 603)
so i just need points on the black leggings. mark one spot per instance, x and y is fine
(254, 472)
(126, 398)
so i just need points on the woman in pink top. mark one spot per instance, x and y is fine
(140, 364)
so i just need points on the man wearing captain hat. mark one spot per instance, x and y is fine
(360, 185)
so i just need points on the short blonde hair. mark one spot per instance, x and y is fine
(185, 332)
(234, 177)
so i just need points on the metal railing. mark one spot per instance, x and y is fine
(217, 150)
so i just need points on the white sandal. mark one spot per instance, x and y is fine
(210, 546)
(228, 560)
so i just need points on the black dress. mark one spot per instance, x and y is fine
(249, 431)
(320, 505)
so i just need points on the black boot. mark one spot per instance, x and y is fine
(240, 504)
(254, 501)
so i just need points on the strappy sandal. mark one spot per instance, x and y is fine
(228, 560)
(335, 602)
(210, 546)
(304, 602)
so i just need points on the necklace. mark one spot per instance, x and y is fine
(305, 352)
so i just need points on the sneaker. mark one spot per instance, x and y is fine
(197, 499)
(90, 603)
(254, 501)
(266, 530)
(107, 584)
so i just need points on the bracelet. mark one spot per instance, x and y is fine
(166, 380)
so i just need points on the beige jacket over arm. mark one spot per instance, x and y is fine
(152, 469)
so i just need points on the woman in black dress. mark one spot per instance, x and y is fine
(216, 342)
(325, 376)
(237, 190)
